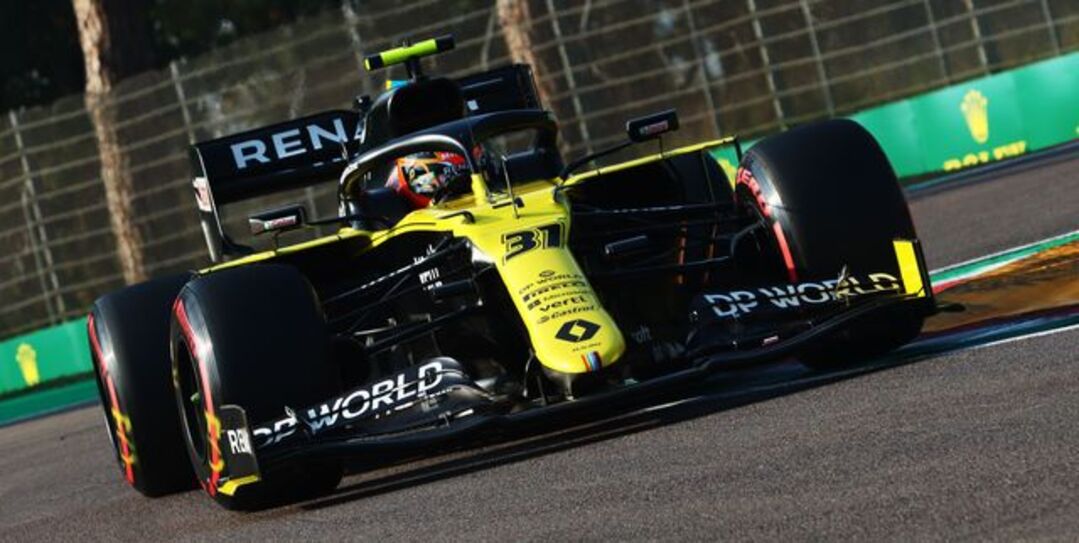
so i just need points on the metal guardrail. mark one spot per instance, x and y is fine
(745, 66)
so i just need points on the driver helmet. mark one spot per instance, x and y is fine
(419, 176)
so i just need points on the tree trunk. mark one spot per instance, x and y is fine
(115, 43)
(515, 18)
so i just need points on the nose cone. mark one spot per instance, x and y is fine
(570, 330)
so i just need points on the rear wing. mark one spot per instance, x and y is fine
(313, 150)
(293, 154)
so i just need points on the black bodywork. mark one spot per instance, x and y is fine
(650, 239)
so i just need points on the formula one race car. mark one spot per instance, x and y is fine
(476, 282)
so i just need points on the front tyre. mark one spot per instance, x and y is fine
(831, 199)
(252, 337)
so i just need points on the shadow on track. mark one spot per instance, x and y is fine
(720, 393)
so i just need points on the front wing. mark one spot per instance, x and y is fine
(436, 404)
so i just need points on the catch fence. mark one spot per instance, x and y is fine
(729, 66)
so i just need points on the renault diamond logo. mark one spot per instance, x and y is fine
(577, 330)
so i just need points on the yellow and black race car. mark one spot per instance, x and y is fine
(476, 282)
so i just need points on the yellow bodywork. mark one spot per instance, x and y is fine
(909, 271)
(229, 487)
(569, 329)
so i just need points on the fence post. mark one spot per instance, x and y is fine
(976, 30)
(351, 19)
(571, 83)
(177, 85)
(941, 60)
(822, 74)
(758, 34)
(706, 82)
(35, 229)
(1054, 37)
(485, 51)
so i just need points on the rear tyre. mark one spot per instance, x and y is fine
(253, 337)
(129, 340)
(832, 199)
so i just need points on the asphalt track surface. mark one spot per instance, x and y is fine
(975, 444)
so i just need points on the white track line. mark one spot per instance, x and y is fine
(833, 375)
(1031, 335)
(1003, 252)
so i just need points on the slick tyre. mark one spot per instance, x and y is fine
(252, 337)
(129, 340)
(831, 199)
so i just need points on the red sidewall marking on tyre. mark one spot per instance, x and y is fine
(745, 177)
(788, 260)
(213, 426)
(120, 420)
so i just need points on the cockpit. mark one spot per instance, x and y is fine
(435, 165)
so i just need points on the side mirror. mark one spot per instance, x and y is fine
(278, 220)
(640, 129)
(652, 126)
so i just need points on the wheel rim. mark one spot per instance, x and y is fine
(192, 407)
